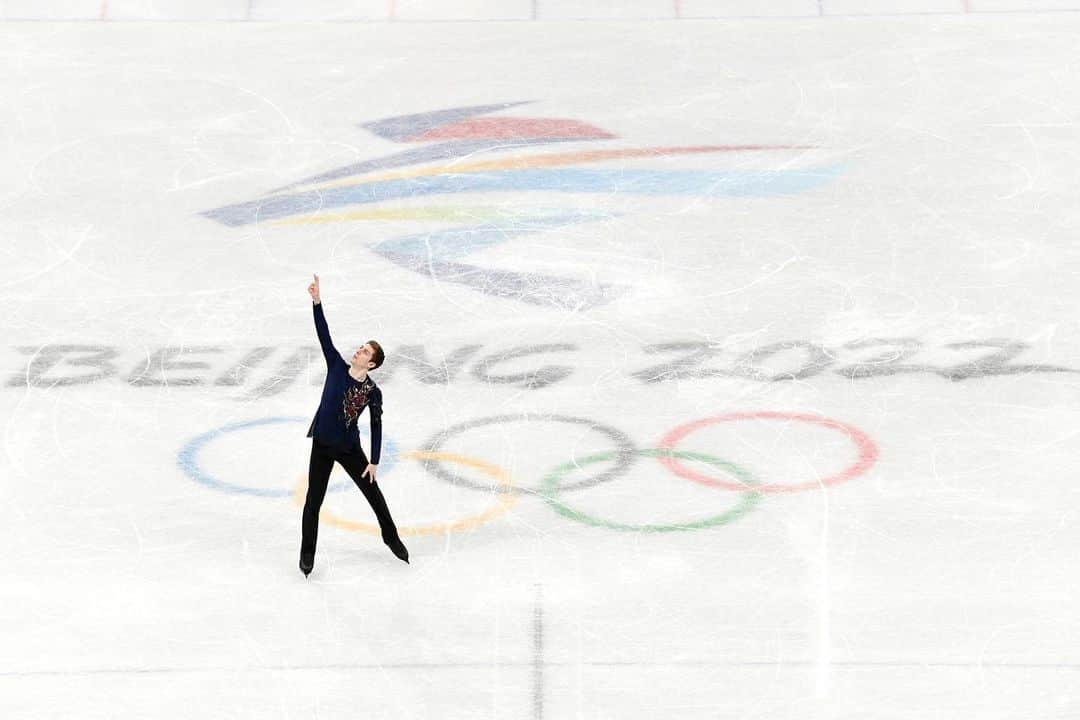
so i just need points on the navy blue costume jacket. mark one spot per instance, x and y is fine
(343, 399)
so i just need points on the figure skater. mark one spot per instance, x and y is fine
(335, 436)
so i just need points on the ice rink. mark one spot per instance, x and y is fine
(732, 362)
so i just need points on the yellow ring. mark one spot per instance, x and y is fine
(502, 504)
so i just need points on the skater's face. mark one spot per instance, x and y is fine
(362, 358)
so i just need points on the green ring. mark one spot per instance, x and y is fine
(550, 488)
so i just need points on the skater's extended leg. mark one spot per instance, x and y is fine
(355, 464)
(319, 468)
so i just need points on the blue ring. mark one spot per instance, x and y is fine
(188, 459)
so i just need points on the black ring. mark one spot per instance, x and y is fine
(626, 452)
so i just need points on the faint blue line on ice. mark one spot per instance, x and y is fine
(188, 458)
(565, 180)
(440, 152)
(458, 242)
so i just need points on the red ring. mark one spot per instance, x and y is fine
(868, 451)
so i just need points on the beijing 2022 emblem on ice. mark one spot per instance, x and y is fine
(473, 150)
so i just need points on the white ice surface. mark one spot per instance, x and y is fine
(940, 583)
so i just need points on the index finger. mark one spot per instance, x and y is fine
(316, 277)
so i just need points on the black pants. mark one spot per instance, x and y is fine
(322, 462)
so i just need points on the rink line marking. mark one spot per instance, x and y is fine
(800, 666)
(482, 21)
(538, 655)
(823, 664)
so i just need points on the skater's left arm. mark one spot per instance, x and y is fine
(375, 417)
(321, 328)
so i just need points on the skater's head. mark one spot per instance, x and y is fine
(368, 357)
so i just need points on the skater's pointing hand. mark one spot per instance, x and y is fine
(313, 290)
(370, 470)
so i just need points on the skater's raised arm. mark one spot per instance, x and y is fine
(321, 328)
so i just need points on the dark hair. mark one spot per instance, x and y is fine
(378, 356)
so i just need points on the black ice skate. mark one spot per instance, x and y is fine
(398, 548)
(307, 562)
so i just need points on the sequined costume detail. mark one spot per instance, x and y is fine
(355, 399)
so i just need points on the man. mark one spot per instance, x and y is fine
(335, 436)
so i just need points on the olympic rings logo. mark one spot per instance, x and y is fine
(553, 486)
